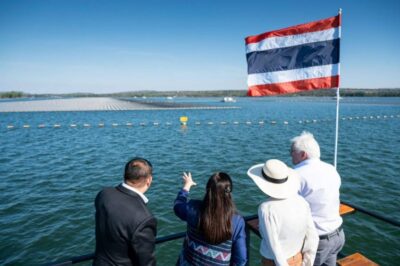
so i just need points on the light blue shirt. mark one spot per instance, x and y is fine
(144, 198)
(319, 185)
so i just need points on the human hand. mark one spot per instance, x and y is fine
(188, 181)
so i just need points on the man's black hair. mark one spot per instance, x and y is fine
(137, 169)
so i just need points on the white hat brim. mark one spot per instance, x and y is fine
(278, 191)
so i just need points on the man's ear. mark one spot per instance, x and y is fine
(149, 180)
(303, 155)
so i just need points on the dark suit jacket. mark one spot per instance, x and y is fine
(125, 229)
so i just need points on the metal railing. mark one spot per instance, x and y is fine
(374, 214)
(159, 240)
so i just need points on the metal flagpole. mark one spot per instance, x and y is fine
(337, 99)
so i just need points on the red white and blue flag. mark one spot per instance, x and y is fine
(298, 58)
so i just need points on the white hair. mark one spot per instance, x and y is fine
(306, 143)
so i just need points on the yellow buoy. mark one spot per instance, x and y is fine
(183, 120)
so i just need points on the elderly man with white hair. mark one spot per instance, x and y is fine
(319, 185)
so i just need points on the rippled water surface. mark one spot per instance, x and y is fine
(50, 176)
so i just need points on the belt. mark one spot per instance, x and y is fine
(335, 232)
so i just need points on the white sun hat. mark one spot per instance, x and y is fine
(275, 179)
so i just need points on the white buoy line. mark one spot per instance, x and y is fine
(198, 123)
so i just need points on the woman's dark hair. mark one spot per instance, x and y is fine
(217, 209)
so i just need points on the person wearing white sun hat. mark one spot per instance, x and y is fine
(288, 233)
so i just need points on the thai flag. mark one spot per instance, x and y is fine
(298, 58)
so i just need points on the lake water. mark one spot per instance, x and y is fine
(50, 176)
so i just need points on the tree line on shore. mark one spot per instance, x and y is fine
(210, 93)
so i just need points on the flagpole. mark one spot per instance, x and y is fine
(337, 101)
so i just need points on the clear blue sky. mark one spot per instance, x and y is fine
(58, 46)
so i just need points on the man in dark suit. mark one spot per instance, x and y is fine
(125, 228)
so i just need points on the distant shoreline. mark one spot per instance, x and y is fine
(207, 93)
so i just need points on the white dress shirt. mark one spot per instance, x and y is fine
(286, 228)
(144, 198)
(319, 185)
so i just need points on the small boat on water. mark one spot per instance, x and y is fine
(228, 100)
(335, 98)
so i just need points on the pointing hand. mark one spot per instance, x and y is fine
(188, 181)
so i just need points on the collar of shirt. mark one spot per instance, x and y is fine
(145, 199)
(308, 161)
